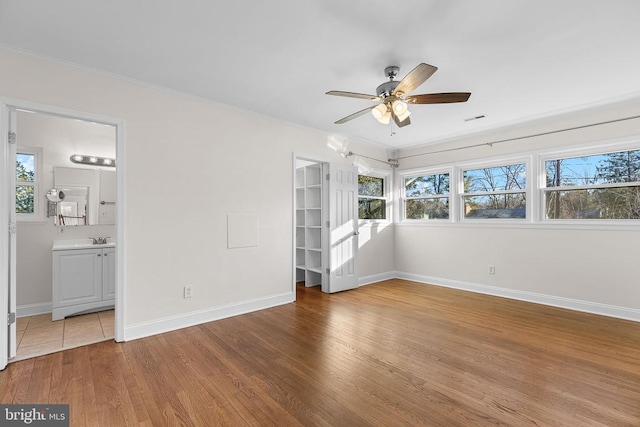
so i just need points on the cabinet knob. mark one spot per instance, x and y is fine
(99, 255)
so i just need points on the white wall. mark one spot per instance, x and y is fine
(376, 254)
(586, 269)
(188, 165)
(58, 138)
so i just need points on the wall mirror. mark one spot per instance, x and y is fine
(88, 196)
(72, 210)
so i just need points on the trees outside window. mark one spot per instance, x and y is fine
(372, 201)
(25, 183)
(426, 196)
(28, 167)
(600, 186)
(495, 192)
(587, 185)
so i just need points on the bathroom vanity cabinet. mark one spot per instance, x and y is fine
(83, 278)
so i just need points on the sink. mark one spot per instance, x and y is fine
(80, 244)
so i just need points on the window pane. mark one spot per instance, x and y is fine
(25, 167)
(495, 206)
(426, 185)
(597, 203)
(510, 177)
(370, 186)
(372, 208)
(437, 208)
(622, 166)
(24, 199)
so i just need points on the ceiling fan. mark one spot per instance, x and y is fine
(394, 96)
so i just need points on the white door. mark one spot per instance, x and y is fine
(8, 237)
(11, 167)
(343, 227)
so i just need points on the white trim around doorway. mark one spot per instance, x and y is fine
(120, 303)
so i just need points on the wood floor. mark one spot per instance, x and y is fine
(394, 353)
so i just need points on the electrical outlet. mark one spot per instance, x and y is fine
(491, 269)
(188, 291)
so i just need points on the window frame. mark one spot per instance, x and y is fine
(496, 163)
(38, 205)
(535, 188)
(386, 191)
(424, 172)
(582, 151)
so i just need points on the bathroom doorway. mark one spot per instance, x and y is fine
(46, 142)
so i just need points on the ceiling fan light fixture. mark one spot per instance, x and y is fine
(403, 116)
(399, 107)
(382, 113)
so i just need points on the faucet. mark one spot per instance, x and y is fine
(99, 240)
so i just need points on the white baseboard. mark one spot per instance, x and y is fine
(555, 301)
(375, 278)
(167, 324)
(33, 309)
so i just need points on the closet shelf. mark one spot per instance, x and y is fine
(308, 224)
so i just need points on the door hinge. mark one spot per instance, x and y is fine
(11, 318)
(328, 176)
(12, 228)
(12, 137)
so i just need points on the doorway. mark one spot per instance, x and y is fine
(46, 140)
(325, 225)
(308, 223)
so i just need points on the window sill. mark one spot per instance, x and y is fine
(373, 222)
(545, 225)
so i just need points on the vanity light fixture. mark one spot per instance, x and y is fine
(93, 160)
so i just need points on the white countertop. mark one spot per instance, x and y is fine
(59, 245)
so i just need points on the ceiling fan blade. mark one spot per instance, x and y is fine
(399, 123)
(438, 98)
(415, 78)
(353, 95)
(354, 115)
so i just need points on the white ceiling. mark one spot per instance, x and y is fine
(520, 59)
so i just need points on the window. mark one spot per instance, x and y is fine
(372, 200)
(426, 197)
(27, 185)
(600, 186)
(495, 192)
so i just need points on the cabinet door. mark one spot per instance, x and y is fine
(77, 276)
(108, 273)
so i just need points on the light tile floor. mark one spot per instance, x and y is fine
(38, 335)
